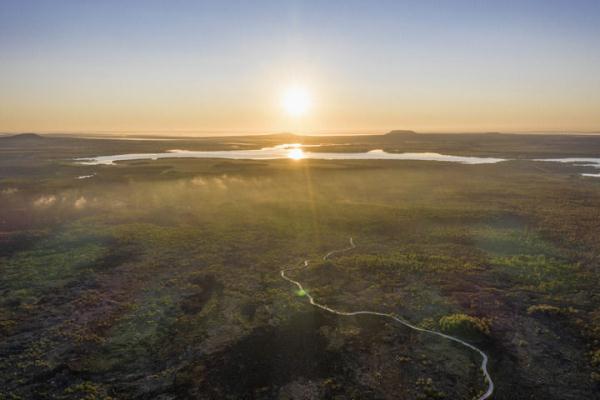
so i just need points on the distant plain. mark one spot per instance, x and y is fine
(160, 278)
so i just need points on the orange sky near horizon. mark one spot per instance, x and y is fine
(201, 68)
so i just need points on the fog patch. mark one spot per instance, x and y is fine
(198, 181)
(117, 204)
(80, 203)
(8, 191)
(220, 183)
(232, 179)
(45, 201)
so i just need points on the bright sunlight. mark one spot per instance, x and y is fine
(296, 101)
(296, 154)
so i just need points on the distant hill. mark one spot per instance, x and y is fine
(400, 133)
(25, 137)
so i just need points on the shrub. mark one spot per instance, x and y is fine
(465, 325)
(546, 309)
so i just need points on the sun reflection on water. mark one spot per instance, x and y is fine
(295, 154)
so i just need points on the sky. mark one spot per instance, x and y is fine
(205, 67)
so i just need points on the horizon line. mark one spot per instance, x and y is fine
(222, 133)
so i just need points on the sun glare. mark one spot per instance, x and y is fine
(296, 101)
(296, 154)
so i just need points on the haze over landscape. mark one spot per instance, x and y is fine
(299, 200)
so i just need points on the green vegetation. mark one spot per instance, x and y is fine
(160, 279)
(545, 309)
(465, 325)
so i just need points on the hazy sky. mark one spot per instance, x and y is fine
(168, 66)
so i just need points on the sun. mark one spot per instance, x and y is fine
(296, 154)
(296, 101)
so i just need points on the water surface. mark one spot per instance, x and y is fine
(296, 151)
(289, 151)
(593, 162)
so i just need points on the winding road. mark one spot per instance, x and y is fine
(484, 357)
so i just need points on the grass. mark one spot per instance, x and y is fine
(168, 272)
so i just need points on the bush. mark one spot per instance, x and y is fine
(546, 309)
(465, 325)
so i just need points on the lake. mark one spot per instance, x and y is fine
(289, 151)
